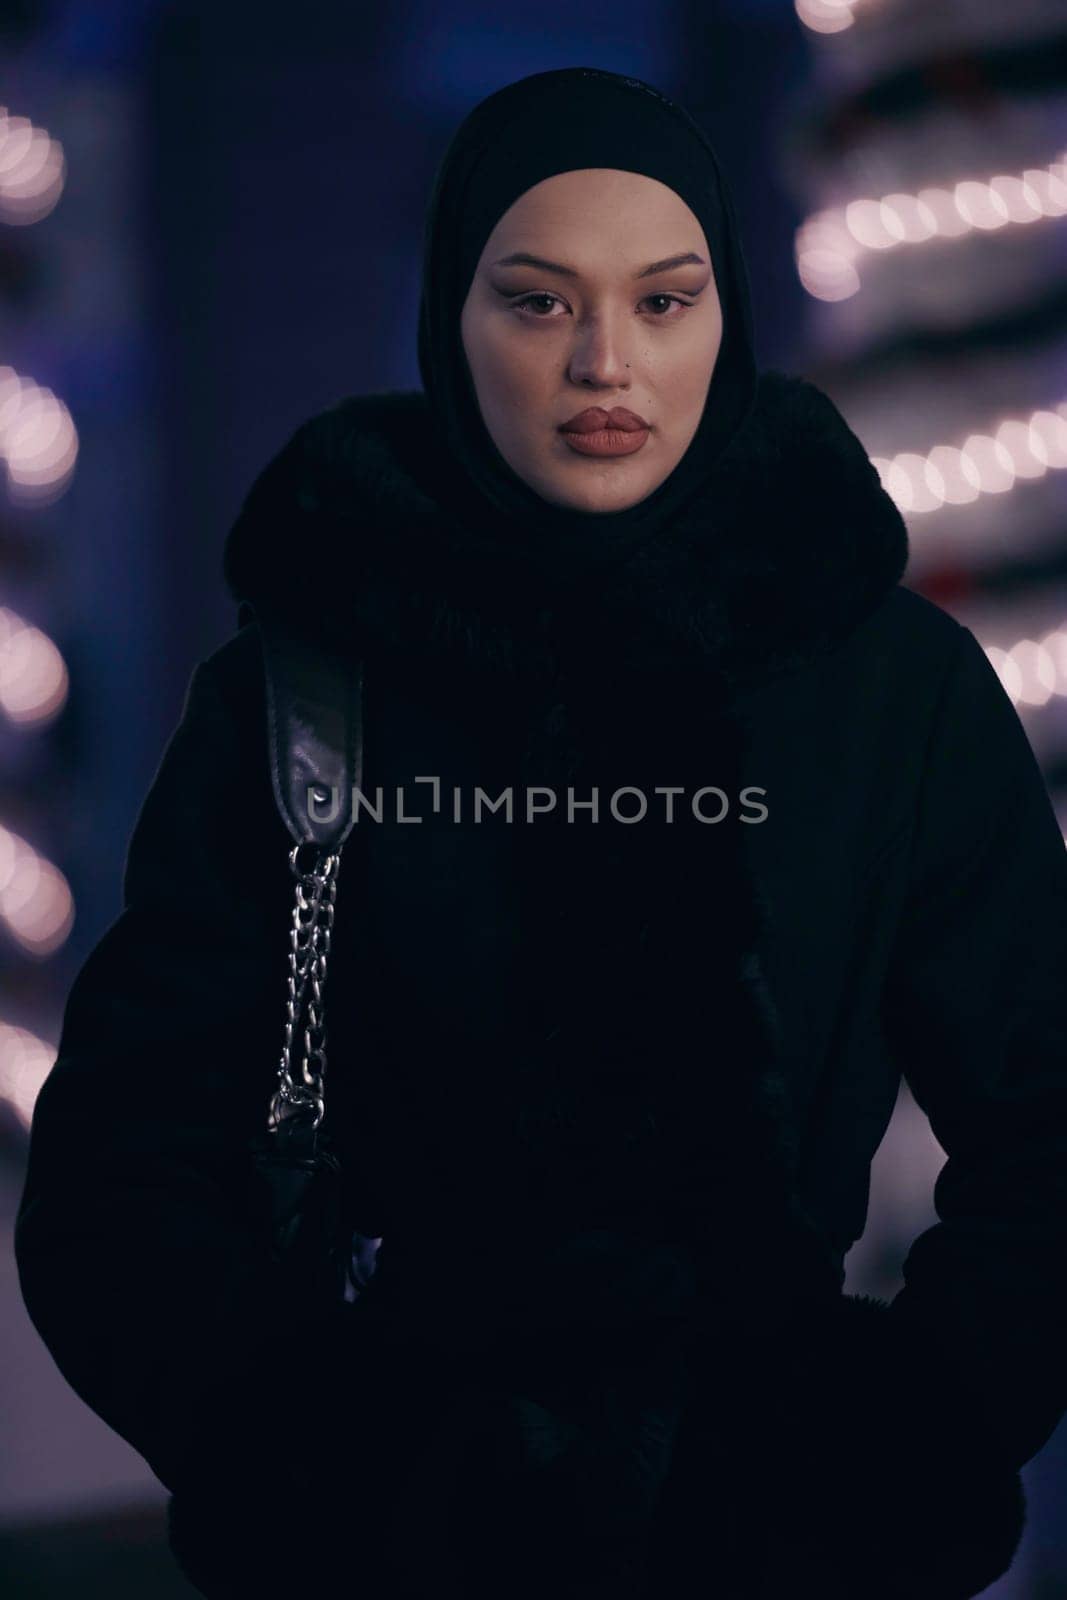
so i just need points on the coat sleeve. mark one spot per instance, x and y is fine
(139, 1257)
(976, 1012)
(900, 1427)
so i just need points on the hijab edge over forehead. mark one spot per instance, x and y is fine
(567, 120)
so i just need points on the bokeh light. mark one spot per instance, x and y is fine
(829, 243)
(25, 1062)
(32, 170)
(36, 905)
(33, 675)
(986, 463)
(38, 440)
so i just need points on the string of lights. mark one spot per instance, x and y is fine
(38, 453)
(927, 156)
(1014, 450)
(831, 244)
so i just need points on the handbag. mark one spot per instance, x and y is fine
(314, 725)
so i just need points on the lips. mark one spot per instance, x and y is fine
(594, 419)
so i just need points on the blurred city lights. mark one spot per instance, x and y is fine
(33, 674)
(32, 170)
(38, 440)
(986, 463)
(25, 1062)
(826, 16)
(829, 243)
(36, 905)
(1033, 670)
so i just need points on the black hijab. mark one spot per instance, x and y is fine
(618, 992)
(552, 122)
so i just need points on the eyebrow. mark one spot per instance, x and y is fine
(521, 258)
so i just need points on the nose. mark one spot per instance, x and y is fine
(599, 357)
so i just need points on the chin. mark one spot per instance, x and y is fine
(608, 503)
(593, 502)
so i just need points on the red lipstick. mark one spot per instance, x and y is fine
(597, 432)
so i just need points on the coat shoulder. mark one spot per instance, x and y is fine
(235, 669)
(916, 630)
(328, 434)
(923, 618)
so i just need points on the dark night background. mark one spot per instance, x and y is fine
(236, 245)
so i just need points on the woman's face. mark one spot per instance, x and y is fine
(590, 326)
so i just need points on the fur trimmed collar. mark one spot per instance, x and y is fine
(791, 545)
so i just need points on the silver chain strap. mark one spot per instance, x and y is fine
(309, 949)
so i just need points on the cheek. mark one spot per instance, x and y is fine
(689, 377)
(487, 346)
(512, 369)
(502, 354)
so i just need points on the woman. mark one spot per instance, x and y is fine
(610, 1084)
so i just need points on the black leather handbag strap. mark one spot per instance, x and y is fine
(315, 729)
(314, 696)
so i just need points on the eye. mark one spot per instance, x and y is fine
(528, 300)
(523, 306)
(672, 299)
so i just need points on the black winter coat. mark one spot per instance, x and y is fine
(609, 1094)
